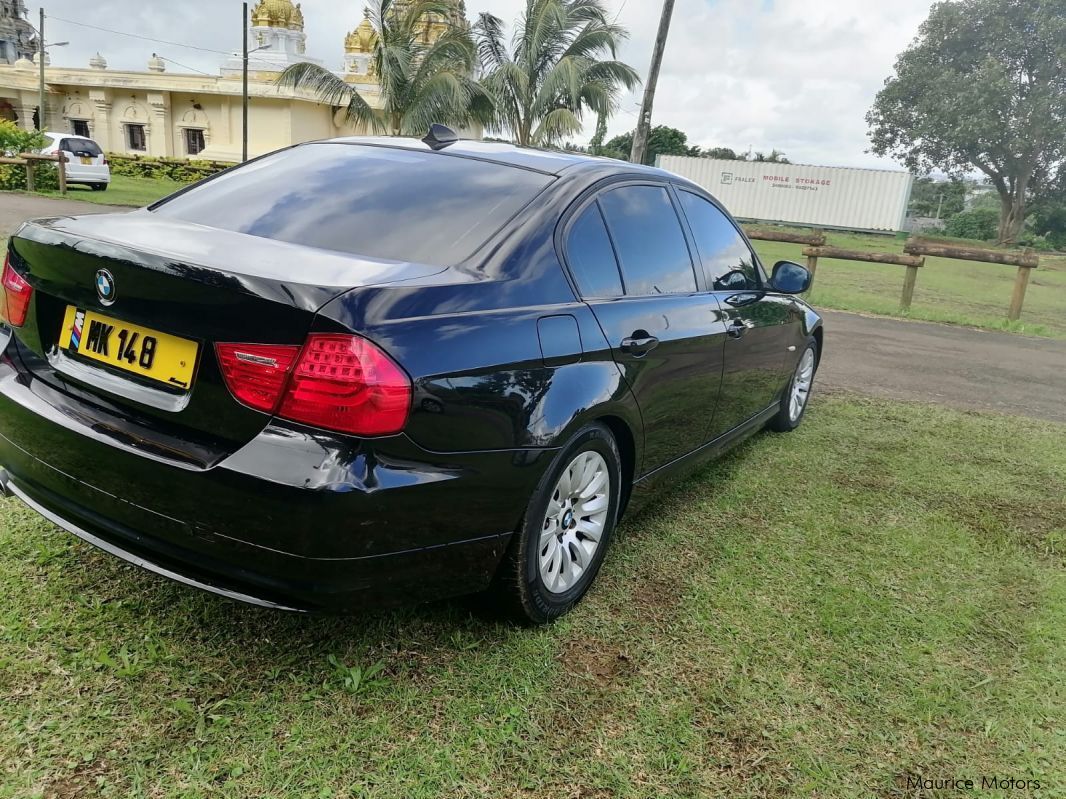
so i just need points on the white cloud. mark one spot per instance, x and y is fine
(798, 75)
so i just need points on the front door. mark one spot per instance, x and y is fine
(628, 254)
(760, 325)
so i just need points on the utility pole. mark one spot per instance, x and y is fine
(244, 110)
(640, 138)
(40, 57)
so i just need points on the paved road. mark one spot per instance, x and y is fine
(945, 364)
(17, 208)
(885, 357)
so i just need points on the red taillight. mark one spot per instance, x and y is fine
(17, 294)
(337, 382)
(346, 383)
(256, 374)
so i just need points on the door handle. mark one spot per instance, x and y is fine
(737, 328)
(639, 344)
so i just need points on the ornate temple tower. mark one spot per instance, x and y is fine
(358, 49)
(18, 39)
(277, 37)
(359, 44)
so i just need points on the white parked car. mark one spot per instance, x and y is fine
(86, 163)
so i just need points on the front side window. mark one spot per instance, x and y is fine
(136, 138)
(377, 202)
(194, 141)
(591, 256)
(649, 240)
(81, 127)
(727, 260)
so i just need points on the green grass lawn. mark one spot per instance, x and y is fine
(881, 594)
(961, 292)
(125, 190)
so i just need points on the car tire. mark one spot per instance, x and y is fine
(99, 187)
(796, 399)
(553, 560)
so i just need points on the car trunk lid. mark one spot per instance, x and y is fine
(102, 282)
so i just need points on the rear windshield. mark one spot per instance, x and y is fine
(80, 147)
(378, 202)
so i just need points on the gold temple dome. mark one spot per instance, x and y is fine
(278, 14)
(361, 40)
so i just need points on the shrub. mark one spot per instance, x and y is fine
(13, 141)
(164, 168)
(980, 223)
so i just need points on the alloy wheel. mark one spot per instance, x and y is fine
(801, 385)
(575, 522)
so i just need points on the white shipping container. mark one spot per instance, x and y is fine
(822, 196)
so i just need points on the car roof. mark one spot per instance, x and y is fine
(550, 162)
(57, 135)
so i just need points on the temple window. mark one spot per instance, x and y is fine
(80, 127)
(194, 141)
(136, 138)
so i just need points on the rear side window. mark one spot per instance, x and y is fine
(591, 257)
(650, 242)
(376, 202)
(727, 260)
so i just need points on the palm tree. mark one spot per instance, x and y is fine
(421, 82)
(553, 71)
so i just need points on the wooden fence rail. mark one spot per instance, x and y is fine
(1026, 262)
(30, 160)
(815, 239)
(912, 263)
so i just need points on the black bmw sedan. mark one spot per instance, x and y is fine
(369, 370)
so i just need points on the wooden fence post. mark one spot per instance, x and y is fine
(62, 168)
(1017, 300)
(812, 267)
(908, 287)
(29, 176)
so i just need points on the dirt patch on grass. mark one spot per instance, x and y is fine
(82, 783)
(1038, 526)
(599, 661)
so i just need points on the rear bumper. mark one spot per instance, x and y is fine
(297, 519)
(87, 175)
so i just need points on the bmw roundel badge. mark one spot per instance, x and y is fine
(105, 287)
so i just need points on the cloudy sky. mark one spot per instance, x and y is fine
(798, 75)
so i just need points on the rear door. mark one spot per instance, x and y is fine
(627, 251)
(761, 325)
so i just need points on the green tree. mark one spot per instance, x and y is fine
(938, 198)
(420, 83)
(596, 145)
(560, 64)
(722, 154)
(775, 157)
(982, 87)
(662, 141)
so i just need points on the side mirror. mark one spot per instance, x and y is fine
(790, 278)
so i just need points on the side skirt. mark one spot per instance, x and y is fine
(646, 488)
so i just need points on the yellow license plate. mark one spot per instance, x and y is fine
(86, 159)
(131, 348)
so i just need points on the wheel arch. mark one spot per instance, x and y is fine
(625, 438)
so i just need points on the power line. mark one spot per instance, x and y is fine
(183, 66)
(135, 36)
